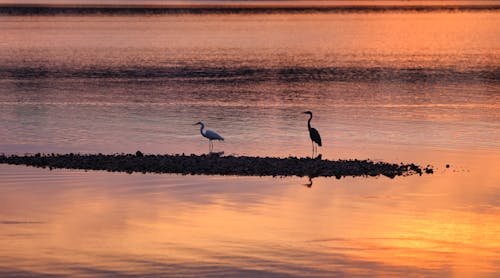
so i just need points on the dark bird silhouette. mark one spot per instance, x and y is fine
(313, 133)
(210, 135)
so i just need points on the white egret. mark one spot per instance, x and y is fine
(210, 135)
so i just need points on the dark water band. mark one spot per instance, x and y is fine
(209, 74)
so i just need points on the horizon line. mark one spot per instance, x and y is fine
(252, 4)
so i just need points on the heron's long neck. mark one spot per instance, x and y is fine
(202, 126)
(309, 122)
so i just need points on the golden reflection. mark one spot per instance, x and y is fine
(127, 223)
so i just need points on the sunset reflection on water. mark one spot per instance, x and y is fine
(397, 87)
(76, 222)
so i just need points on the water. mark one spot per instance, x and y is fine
(393, 86)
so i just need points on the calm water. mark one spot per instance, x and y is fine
(417, 87)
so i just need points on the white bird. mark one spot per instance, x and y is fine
(210, 135)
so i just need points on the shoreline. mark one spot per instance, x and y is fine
(238, 8)
(215, 164)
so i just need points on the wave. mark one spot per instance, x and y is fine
(232, 9)
(214, 74)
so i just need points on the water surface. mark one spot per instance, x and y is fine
(417, 87)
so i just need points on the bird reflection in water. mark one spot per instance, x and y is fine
(309, 185)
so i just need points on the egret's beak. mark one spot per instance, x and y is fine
(196, 124)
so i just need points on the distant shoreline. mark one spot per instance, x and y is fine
(19, 9)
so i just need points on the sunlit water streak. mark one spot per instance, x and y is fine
(417, 87)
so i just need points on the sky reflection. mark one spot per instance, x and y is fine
(93, 223)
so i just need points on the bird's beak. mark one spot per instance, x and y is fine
(196, 124)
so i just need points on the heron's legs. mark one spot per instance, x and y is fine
(312, 152)
(312, 144)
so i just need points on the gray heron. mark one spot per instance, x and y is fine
(313, 133)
